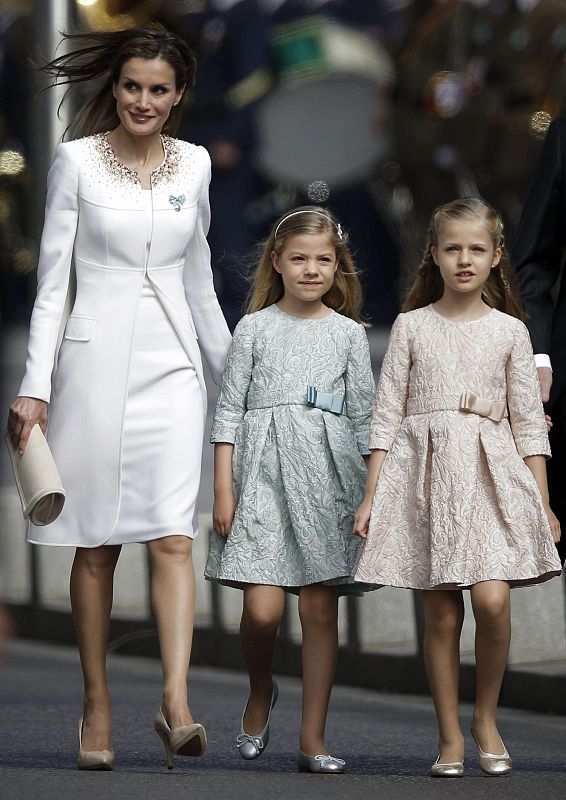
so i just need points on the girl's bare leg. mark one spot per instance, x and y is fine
(444, 616)
(318, 610)
(491, 605)
(173, 601)
(91, 588)
(263, 608)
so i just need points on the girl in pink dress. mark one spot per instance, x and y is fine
(456, 495)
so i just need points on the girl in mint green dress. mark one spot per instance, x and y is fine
(291, 431)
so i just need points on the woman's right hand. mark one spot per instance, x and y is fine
(25, 412)
(223, 512)
(361, 519)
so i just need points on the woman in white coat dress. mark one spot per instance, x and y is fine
(120, 379)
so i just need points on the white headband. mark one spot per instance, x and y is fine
(311, 211)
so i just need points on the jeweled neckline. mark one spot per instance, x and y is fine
(460, 321)
(167, 169)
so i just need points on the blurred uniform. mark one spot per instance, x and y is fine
(374, 244)
(230, 40)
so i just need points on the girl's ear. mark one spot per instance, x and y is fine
(275, 261)
(496, 257)
(433, 252)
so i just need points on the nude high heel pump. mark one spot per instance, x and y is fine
(186, 740)
(94, 759)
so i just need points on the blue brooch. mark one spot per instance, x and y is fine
(177, 202)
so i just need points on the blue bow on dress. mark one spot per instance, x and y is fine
(325, 400)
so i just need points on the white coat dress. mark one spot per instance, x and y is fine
(141, 265)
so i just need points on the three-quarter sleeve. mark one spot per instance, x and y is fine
(211, 327)
(232, 399)
(390, 403)
(360, 388)
(53, 271)
(526, 413)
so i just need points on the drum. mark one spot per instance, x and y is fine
(319, 123)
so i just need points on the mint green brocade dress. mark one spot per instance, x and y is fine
(298, 470)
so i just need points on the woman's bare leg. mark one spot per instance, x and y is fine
(318, 610)
(173, 601)
(444, 616)
(262, 611)
(491, 605)
(91, 587)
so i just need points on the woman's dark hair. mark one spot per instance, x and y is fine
(102, 55)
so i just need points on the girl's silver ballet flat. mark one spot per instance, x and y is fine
(450, 769)
(324, 764)
(493, 764)
(250, 746)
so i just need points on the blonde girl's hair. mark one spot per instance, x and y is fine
(500, 289)
(345, 295)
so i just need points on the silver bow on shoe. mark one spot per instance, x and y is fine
(251, 746)
(324, 764)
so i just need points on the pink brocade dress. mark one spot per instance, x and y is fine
(455, 503)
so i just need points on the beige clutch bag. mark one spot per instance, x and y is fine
(41, 492)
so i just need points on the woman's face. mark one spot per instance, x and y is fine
(145, 93)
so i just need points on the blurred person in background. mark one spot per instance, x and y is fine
(538, 258)
(230, 40)
(17, 253)
(126, 219)
(333, 80)
(472, 80)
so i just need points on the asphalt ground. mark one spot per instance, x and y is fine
(387, 740)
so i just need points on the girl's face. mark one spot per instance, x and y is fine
(307, 265)
(145, 94)
(465, 256)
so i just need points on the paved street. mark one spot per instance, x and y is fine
(387, 740)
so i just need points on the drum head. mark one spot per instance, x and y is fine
(320, 130)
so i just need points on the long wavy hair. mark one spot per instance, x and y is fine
(500, 289)
(101, 56)
(345, 295)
